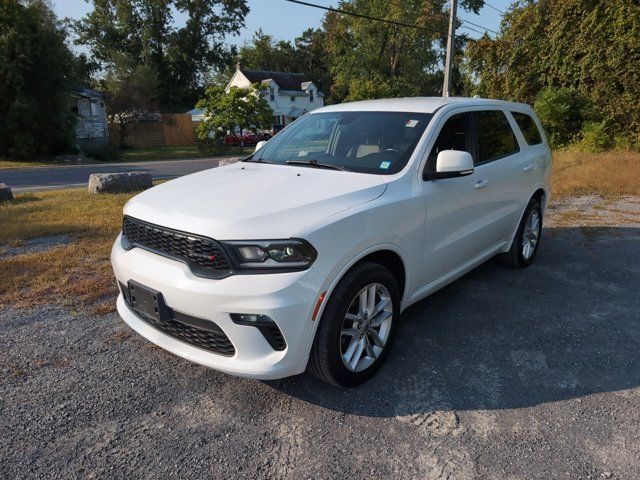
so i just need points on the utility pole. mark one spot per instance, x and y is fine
(446, 88)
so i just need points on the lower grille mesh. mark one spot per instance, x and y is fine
(212, 339)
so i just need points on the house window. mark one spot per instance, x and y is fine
(311, 95)
(293, 99)
(94, 108)
(83, 107)
(272, 94)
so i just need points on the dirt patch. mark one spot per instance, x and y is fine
(35, 245)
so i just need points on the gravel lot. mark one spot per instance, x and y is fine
(503, 374)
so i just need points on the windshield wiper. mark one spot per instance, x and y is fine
(254, 160)
(314, 163)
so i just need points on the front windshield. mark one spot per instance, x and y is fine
(367, 142)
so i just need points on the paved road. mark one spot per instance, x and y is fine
(504, 374)
(47, 178)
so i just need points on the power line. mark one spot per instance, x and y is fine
(491, 6)
(460, 19)
(479, 26)
(367, 17)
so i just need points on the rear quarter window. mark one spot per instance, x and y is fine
(528, 128)
(494, 135)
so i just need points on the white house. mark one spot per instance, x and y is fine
(289, 95)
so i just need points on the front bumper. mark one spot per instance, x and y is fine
(288, 298)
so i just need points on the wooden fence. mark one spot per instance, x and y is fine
(171, 130)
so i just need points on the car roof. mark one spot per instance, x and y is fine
(417, 104)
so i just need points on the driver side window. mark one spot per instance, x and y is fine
(455, 135)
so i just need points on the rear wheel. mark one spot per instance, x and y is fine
(527, 240)
(357, 326)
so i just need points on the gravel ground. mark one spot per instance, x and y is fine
(503, 374)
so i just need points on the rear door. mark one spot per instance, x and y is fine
(499, 165)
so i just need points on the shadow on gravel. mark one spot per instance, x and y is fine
(567, 327)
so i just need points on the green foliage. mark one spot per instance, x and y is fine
(133, 92)
(370, 59)
(146, 33)
(594, 138)
(243, 108)
(561, 111)
(35, 114)
(591, 47)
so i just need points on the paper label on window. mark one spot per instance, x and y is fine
(411, 123)
(385, 165)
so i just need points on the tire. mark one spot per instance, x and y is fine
(335, 336)
(518, 256)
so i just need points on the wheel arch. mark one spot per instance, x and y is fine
(540, 194)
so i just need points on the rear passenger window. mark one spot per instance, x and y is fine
(528, 128)
(494, 135)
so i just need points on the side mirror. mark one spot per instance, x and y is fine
(450, 164)
(260, 144)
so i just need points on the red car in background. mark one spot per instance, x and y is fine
(247, 138)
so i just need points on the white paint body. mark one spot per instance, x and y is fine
(441, 229)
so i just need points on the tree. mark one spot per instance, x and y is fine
(371, 59)
(133, 92)
(239, 108)
(145, 32)
(35, 114)
(590, 47)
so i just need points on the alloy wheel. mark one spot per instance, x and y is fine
(366, 327)
(531, 234)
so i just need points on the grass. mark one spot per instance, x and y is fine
(78, 275)
(135, 155)
(172, 153)
(75, 275)
(5, 163)
(159, 153)
(609, 174)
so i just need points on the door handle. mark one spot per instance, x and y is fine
(481, 183)
(528, 168)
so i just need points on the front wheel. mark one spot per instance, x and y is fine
(357, 326)
(527, 240)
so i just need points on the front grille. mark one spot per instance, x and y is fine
(211, 338)
(205, 256)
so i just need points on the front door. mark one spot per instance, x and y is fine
(454, 206)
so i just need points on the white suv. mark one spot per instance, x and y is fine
(307, 252)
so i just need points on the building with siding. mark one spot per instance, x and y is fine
(92, 131)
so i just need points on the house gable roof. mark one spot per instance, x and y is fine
(285, 81)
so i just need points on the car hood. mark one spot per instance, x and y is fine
(253, 201)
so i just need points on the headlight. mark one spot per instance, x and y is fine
(292, 254)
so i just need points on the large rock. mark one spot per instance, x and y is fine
(5, 193)
(119, 182)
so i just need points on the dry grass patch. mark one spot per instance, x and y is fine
(609, 174)
(77, 274)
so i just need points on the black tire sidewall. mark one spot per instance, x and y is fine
(533, 205)
(333, 318)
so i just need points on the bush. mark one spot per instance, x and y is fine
(593, 138)
(562, 112)
(107, 153)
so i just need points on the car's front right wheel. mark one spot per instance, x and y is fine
(357, 326)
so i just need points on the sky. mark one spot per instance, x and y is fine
(284, 20)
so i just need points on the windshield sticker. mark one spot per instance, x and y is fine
(385, 165)
(411, 123)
